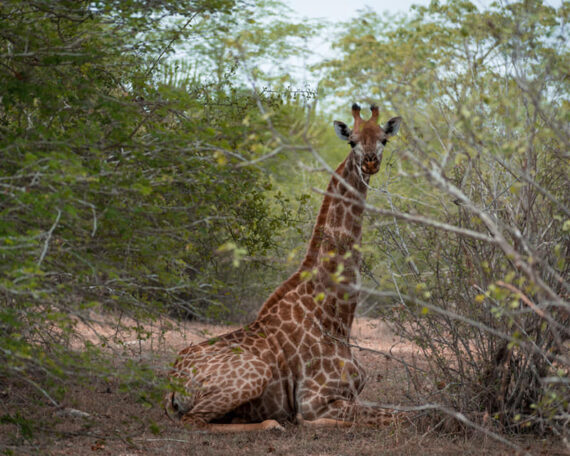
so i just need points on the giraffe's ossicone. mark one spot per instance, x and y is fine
(293, 363)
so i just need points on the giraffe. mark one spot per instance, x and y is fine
(293, 362)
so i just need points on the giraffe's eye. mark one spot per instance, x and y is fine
(384, 142)
(352, 144)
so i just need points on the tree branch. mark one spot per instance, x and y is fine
(48, 238)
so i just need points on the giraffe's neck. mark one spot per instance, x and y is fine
(331, 248)
(338, 259)
(310, 260)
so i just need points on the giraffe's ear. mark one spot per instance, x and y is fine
(392, 126)
(342, 130)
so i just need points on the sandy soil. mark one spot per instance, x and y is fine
(105, 418)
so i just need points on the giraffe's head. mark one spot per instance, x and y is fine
(367, 139)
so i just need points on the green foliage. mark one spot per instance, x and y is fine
(118, 177)
(255, 42)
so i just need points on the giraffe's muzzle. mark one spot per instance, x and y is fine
(370, 165)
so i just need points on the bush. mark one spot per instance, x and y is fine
(117, 189)
(477, 243)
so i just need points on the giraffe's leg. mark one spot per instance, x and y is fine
(219, 385)
(323, 422)
(345, 413)
(242, 427)
(200, 424)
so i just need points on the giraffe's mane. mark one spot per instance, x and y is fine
(312, 251)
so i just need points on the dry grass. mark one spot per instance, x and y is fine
(119, 423)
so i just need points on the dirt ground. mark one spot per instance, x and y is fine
(102, 418)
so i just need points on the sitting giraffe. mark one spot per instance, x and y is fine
(294, 363)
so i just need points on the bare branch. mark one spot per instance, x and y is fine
(271, 154)
(93, 211)
(48, 238)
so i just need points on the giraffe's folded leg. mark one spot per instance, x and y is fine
(345, 413)
(200, 425)
(242, 427)
(323, 422)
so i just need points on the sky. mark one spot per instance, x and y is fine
(338, 10)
